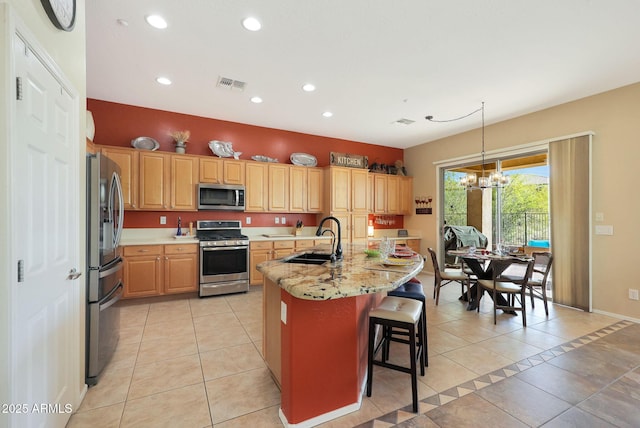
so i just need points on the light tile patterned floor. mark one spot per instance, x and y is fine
(193, 362)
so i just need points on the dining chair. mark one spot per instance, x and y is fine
(442, 278)
(513, 285)
(537, 283)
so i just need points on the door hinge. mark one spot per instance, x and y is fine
(18, 88)
(20, 270)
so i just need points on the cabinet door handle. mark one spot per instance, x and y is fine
(142, 250)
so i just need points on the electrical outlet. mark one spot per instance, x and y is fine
(163, 219)
(283, 220)
(247, 220)
(283, 312)
(633, 294)
(277, 220)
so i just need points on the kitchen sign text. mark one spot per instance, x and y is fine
(351, 161)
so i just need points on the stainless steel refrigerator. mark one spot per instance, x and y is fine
(105, 216)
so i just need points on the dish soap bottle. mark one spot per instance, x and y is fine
(179, 232)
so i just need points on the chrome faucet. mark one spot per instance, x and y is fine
(338, 248)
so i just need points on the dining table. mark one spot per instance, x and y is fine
(487, 265)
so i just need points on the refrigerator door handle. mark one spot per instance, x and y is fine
(113, 298)
(115, 268)
(116, 191)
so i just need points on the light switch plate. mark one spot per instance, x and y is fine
(277, 220)
(604, 229)
(163, 219)
(247, 220)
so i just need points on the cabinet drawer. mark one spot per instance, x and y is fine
(261, 245)
(181, 249)
(304, 243)
(282, 244)
(142, 250)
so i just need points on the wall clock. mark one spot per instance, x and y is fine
(62, 13)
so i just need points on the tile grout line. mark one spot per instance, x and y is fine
(436, 400)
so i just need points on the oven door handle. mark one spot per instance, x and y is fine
(223, 248)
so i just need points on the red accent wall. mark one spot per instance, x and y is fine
(118, 124)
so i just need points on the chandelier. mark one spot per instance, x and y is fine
(471, 181)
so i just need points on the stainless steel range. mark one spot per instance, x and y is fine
(224, 257)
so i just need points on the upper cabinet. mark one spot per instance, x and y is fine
(127, 160)
(278, 193)
(168, 182)
(154, 182)
(256, 177)
(392, 194)
(359, 192)
(315, 190)
(184, 181)
(222, 171)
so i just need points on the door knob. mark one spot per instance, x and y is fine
(73, 274)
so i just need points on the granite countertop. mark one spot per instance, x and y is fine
(355, 275)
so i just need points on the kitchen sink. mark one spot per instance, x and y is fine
(309, 258)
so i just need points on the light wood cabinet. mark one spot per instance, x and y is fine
(184, 183)
(167, 182)
(339, 185)
(359, 192)
(380, 193)
(315, 190)
(142, 270)
(392, 194)
(180, 268)
(211, 171)
(414, 244)
(358, 228)
(298, 189)
(278, 193)
(233, 171)
(258, 252)
(406, 195)
(153, 270)
(127, 160)
(154, 191)
(221, 171)
(256, 193)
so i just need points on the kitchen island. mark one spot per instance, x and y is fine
(315, 330)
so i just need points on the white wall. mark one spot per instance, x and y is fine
(67, 49)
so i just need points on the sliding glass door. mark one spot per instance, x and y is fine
(516, 214)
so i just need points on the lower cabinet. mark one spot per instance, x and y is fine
(154, 270)
(262, 251)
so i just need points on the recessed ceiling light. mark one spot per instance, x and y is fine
(163, 80)
(251, 24)
(308, 87)
(327, 114)
(156, 21)
(256, 100)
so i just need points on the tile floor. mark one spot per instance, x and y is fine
(570, 369)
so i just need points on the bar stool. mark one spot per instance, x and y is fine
(398, 313)
(413, 289)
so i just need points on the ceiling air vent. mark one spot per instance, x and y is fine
(404, 121)
(231, 84)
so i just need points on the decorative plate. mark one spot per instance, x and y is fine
(261, 158)
(303, 159)
(222, 149)
(145, 143)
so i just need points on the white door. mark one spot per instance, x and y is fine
(45, 308)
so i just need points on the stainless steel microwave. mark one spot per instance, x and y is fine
(223, 197)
